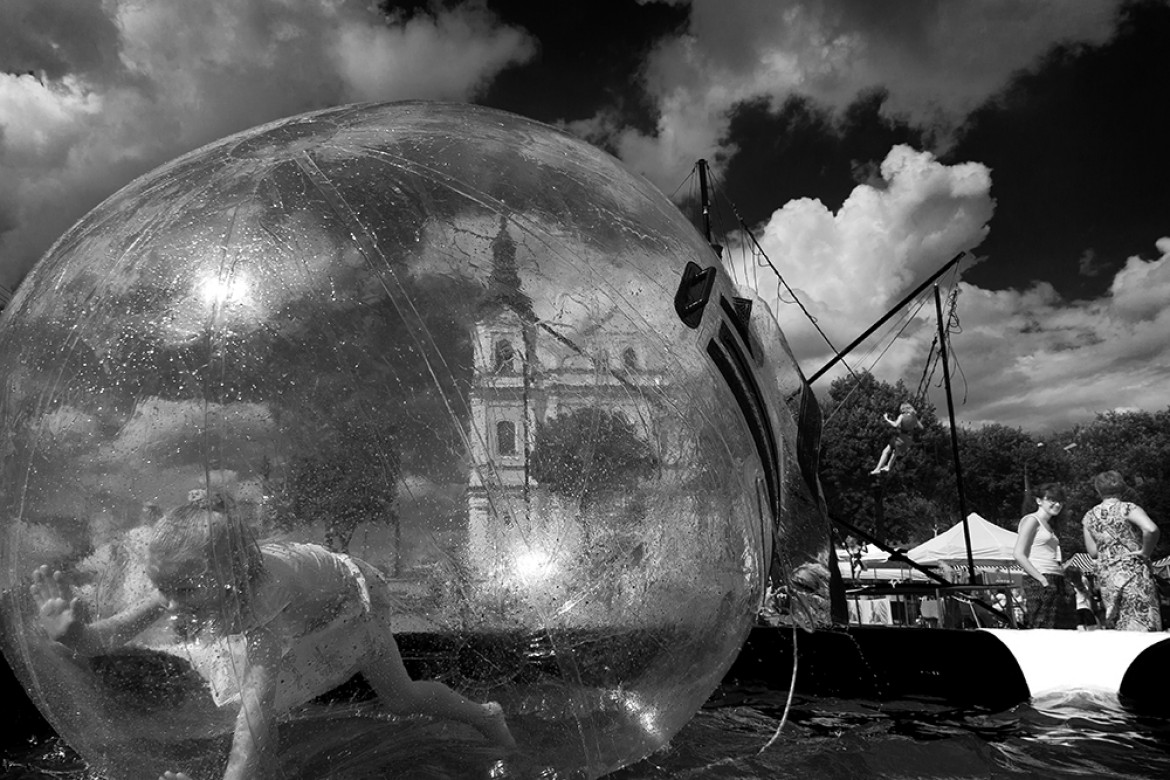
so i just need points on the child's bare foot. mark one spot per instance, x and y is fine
(494, 727)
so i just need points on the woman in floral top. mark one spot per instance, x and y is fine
(1121, 536)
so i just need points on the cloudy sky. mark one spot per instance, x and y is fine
(865, 143)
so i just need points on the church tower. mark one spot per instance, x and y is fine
(504, 402)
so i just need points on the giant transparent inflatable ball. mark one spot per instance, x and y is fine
(503, 377)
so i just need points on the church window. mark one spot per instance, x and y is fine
(506, 438)
(505, 356)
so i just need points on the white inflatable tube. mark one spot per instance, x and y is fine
(1056, 660)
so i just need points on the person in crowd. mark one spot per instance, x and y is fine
(1095, 601)
(905, 426)
(929, 611)
(308, 616)
(1121, 537)
(1083, 595)
(1048, 599)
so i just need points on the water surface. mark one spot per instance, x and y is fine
(1071, 735)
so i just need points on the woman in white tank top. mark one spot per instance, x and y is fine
(1047, 596)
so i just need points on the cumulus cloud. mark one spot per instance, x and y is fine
(176, 430)
(95, 92)
(937, 61)
(1030, 358)
(1042, 361)
(848, 268)
(1138, 292)
(1026, 358)
(447, 57)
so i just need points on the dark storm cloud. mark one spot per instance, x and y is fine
(120, 86)
(812, 151)
(1088, 264)
(1081, 163)
(56, 38)
(589, 58)
(935, 62)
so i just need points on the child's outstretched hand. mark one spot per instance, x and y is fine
(59, 611)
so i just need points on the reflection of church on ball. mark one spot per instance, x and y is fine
(531, 376)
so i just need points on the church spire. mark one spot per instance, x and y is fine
(504, 282)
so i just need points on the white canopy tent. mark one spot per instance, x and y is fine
(990, 545)
(992, 550)
(866, 565)
(992, 553)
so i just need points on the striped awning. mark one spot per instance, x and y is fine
(1083, 562)
(1008, 567)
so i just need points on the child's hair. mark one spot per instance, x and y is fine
(907, 408)
(207, 529)
(1110, 484)
(151, 512)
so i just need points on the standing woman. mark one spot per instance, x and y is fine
(1121, 536)
(1048, 598)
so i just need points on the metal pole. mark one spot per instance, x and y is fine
(885, 317)
(705, 200)
(942, 346)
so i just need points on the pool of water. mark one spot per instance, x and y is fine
(1071, 735)
(1075, 734)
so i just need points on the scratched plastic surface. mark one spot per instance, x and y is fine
(441, 339)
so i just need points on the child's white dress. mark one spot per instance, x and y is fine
(317, 605)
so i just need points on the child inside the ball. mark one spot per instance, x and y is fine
(309, 619)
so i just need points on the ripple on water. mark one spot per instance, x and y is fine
(1070, 735)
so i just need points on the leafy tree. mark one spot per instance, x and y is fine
(350, 478)
(993, 459)
(919, 497)
(361, 392)
(589, 453)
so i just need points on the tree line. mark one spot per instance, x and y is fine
(919, 497)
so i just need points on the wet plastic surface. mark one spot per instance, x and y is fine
(442, 339)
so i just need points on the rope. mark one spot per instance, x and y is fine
(927, 371)
(905, 323)
(791, 689)
(954, 326)
(934, 354)
(759, 252)
(688, 180)
(759, 258)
